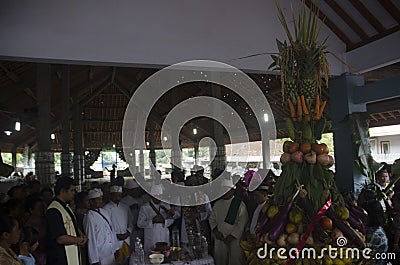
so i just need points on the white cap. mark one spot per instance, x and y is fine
(116, 189)
(95, 193)
(131, 184)
(227, 183)
(156, 190)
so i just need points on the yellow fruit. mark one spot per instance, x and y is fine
(295, 216)
(272, 211)
(291, 228)
(265, 208)
(343, 212)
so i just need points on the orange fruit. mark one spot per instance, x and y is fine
(325, 222)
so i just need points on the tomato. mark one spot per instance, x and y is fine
(325, 148)
(317, 148)
(305, 148)
(293, 147)
(325, 222)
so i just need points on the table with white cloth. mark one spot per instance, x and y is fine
(204, 261)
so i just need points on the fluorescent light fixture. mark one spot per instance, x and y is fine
(8, 133)
(52, 136)
(17, 126)
(194, 131)
(266, 117)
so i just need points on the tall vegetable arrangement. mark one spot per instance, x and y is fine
(304, 71)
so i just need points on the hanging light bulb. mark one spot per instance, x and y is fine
(52, 136)
(17, 126)
(194, 131)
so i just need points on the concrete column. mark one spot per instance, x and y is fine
(44, 159)
(348, 178)
(152, 154)
(66, 168)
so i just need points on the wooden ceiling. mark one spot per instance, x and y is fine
(104, 92)
(359, 22)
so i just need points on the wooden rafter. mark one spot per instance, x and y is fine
(382, 116)
(348, 19)
(338, 32)
(368, 15)
(392, 115)
(373, 117)
(391, 9)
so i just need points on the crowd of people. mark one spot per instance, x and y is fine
(101, 224)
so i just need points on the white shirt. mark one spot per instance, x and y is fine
(254, 219)
(218, 214)
(157, 232)
(121, 219)
(102, 241)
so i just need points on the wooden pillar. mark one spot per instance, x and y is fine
(44, 159)
(348, 178)
(141, 162)
(78, 141)
(65, 154)
(14, 156)
(196, 151)
(220, 152)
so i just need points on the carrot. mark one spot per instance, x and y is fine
(303, 103)
(316, 110)
(292, 111)
(299, 109)
(321, 111)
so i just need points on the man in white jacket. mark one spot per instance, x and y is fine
(228, 220)
(102, 240)
(121, 221)
(155, 217)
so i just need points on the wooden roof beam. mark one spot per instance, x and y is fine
(368, 15)
(348, 19)
(338, 32)
(391, 9)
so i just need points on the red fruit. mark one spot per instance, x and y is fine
(285, 158)
(297, 157)
(325, 160)
(305, 148)
(325, 222)
(293, 147)
(317, 148)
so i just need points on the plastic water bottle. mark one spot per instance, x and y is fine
(137, 244)
(140, 255)
(204, 246)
